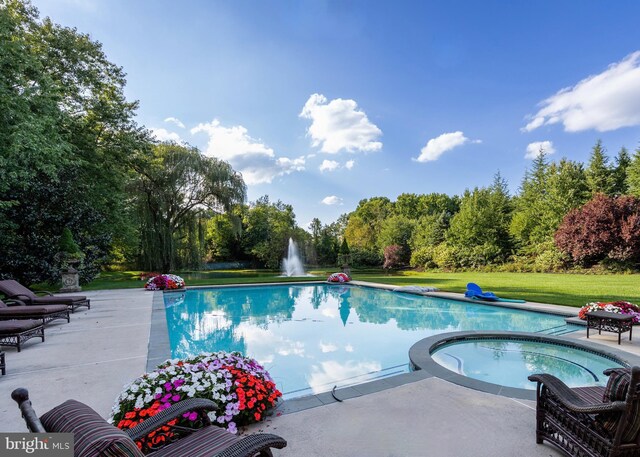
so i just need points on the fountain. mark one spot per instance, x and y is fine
(292, 264)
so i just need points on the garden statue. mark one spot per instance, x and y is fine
(70, 258)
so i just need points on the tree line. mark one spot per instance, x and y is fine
(77, 170)
(564, 215)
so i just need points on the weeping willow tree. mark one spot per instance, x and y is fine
(177, 189)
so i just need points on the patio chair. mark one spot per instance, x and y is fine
(93, 436)
(13, 289)
(15, 333)
(19, 310)
(590, 421)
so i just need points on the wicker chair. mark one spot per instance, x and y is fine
(590, 421)
(13, 289)
(94, 437)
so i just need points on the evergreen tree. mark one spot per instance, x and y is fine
(633, 175)
(620, 172)
(600, 177)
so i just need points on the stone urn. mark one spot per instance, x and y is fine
(70, 280)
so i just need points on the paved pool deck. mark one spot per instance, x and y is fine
(103, 348)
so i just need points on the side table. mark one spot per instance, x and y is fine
(610, 322)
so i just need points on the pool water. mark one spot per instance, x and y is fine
(312, 337)
(509, 362)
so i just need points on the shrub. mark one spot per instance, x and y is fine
(444, 256)
(604, 228)
(392, 256)
(365, 258)
(423, 258)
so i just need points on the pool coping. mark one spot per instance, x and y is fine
(159, 348)
(420, 356)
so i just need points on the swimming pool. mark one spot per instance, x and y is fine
(312, 337)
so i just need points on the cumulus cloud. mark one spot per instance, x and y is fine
(435, 147)
(603, 102)
(338, 125)
(331, 200)
(349, 165)
(329, 165)
(255, 160)
(175, 121)
(161, 134)
(533, 149)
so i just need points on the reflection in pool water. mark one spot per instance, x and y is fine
(314, 336)
(509, 362)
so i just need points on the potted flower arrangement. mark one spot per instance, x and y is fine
(165, 282)
(241, 388)
(620, 307)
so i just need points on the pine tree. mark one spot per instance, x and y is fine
(600, 178)
(633, 175)
(620, 172)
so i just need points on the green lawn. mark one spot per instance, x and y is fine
(563, 289)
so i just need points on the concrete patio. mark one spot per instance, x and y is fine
(104, 348)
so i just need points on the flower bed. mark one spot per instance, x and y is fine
(241, 388)
(620, 307)
(164, 282)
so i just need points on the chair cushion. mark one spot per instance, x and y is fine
(11, 327)
(205, 442)
(616, 390)
(58, 299)
(32, 311)
(93, 436)
(617, 385)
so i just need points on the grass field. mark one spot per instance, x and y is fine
(562, 289)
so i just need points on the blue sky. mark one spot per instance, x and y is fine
(323, 103)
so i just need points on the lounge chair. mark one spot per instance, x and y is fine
(13, 289)
(15, 333)
(590, 421)
(47, 313)
(474, 291)
(93, 436)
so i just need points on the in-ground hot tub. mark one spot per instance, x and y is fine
(500, 362)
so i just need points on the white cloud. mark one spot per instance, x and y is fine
(176, 121)
(338, 125)
(329, 347)
(606, 101)
(329, 165)
(435, 147)
(256, 161)
(349, 165)
(331, 200)
(533, 149)
(161, 134)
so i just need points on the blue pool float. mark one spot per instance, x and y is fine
(474, 291)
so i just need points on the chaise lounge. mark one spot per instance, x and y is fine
(590, 421)
(13, 289)
(15, 333)
(19, 310)
(93, 436)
